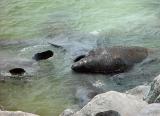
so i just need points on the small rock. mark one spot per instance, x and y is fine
(17, 71)
(67, 112)
(43, 55)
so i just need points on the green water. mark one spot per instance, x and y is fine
(52, 86)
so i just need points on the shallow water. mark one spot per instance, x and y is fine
(78, 25)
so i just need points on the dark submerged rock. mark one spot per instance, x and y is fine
(79, 58)
(108, 113)
(110, 60)
(17, 71)
(84, 95)
(43, 55)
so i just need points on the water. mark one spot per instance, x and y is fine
(78, 25)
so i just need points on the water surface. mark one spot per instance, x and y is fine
(78, 25)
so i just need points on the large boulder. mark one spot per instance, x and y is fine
(140, 91)
(154, 93)
(110, 60)
(16, 113)
(150, 110)
(119, 103)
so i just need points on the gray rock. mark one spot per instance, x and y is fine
(140, 91)
(154, 93)
(67, 112)
(16, 113)
(124, 104)
(150, 110)
(70, 111)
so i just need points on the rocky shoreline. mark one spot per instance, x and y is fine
(143, 100)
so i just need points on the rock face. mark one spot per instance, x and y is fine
(109, 60)
(16, 113)
(154, 94)
(150, 110)
(140, 91)
(120, 103)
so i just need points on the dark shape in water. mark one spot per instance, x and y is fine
(43, 55)
(111, 60)
(108, 113)
(79, 58)
(17, 71)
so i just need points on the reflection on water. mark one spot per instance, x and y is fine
(77, 26)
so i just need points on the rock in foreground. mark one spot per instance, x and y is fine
(150, 110)
(140, 91)
(120, 103)
(154, 93)
(16, 113)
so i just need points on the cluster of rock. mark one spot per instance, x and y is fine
(140, 101)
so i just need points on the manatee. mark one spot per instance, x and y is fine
(109, 60)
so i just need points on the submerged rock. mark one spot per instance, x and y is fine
(84, 95)
(70, 111)
(110, 60)
(67, 112)
(16, 113)
(43, 55)
(17, 71)
(124, 104)
(79, 58)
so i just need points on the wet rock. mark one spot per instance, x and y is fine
(43, 55)
(108, 113)
(124, 104)
(67, 112)
(139, 91)
(154, 93)
(150, 110)
(17, 71)
(16, 113)
(111, 60)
